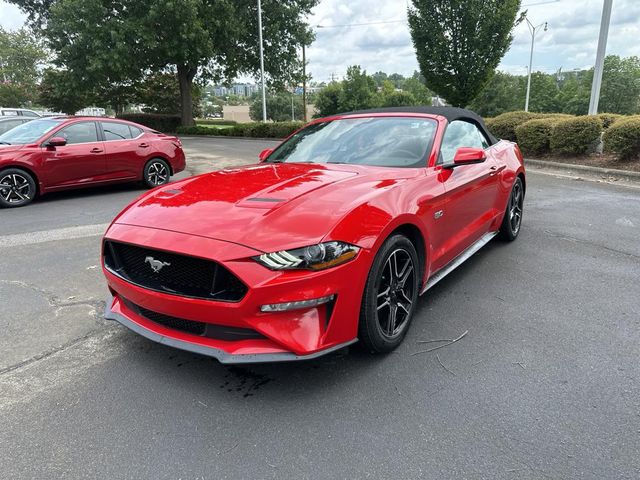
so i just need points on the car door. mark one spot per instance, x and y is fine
(125, 150)
(80, 161)
(470, 191)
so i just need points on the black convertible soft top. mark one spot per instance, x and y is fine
(450, 113)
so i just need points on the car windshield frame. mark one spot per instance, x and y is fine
(29, 132)
(383, 141)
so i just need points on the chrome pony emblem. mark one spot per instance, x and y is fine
(156, 265)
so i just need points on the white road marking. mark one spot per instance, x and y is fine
(67, 233)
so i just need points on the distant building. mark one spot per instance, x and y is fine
(237, 89)
(92, 112)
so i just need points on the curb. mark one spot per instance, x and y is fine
(605, 172)
(269, 139)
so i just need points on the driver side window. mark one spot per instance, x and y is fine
(460, 134)
(81, 132)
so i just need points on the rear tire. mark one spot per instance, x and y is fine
(390, 295)
(512, 220)
(156, 172)
(17, 188)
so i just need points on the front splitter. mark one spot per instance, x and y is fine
(220, 355)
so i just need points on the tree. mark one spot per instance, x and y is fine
(108, 41)
(278, 107)
(21, 56)
(160, 93)
(328, 100)
(358, 90)
(58, 92)
(418, 90)
(620, 92)
(459, 43)
(396, 79)
(379, 78)
(544, 93)
(503, 93)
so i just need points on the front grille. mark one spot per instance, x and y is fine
(218, 332)
(173, 273)
(188, 326)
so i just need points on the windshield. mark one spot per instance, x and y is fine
(379, 141)
(28, 132)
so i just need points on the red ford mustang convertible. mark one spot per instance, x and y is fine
(330, 239)
(59, 153)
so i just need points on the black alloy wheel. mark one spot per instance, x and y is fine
(17, 188)
(512, 221)
(156, 173)
(390, 295)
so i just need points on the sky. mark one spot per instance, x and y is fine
(569, 43)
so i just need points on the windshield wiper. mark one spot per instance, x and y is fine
(5, 143)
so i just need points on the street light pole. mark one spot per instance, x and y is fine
(599, 66)
(532, 30)
(264, 98)
(304, 83)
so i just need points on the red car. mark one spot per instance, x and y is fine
(330, 239)
(58, 153)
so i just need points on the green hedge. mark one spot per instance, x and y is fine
(215, 121)
(155, 121)
(253, 129)
(609, 119)
(504, 126)
(575, 136)
(623, 138)
(533, 136)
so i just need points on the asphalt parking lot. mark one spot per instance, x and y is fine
(546, 384)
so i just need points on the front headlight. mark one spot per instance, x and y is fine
(313, 257)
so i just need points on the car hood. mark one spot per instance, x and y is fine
(6, 150)
(266, 207)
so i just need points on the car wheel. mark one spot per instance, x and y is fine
(156, 172)
(512, 221)
(17, 188)
(390, 295)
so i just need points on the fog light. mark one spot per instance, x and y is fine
(283, 307)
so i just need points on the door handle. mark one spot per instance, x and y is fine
(96, 150)
(494, 169)
(143, 145)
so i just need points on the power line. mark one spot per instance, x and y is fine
(539, 3)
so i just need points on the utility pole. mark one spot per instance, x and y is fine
(304, 83)
(264, 98)
(602, 48)
(532, 30)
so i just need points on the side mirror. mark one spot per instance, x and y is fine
(467, 155)
(57, 142)
(264, 154)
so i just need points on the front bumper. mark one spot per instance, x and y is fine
(281, 336)
(222, 356)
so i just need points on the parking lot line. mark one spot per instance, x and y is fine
(56, 234)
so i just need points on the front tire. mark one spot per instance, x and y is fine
(512, 220)
(17, 188)
(156, 172)
(390, 295)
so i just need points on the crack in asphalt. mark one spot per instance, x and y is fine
(54, 301)
(50, 352)
(593, 244)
